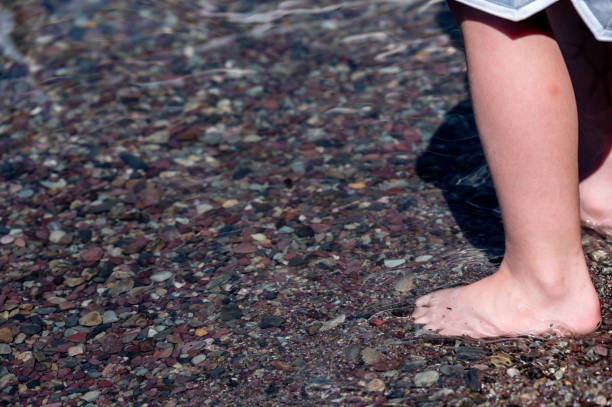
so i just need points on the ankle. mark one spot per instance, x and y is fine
(555, 279)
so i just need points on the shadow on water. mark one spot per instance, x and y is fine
(455, 163)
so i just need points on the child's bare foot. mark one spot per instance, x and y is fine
(596, 204)
(505, 304)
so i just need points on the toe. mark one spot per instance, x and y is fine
(423, 301)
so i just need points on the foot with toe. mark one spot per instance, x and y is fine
(508, 305)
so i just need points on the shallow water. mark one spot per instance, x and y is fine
(288, 163)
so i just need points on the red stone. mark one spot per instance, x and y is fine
(78, 337)
(245, 248)
(92, 255)
(377, 322)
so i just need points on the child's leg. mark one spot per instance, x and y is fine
(590, 65)
(527, 120)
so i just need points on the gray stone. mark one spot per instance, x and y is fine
(424, 258)
(352, 353)
(230, 312)
(91, 395)
(370, 356)
(426, 378)
(109, 317)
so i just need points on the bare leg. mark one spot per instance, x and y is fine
(590, 65)
(526, 115)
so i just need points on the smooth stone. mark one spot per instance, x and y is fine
(75, 350)
(203, 208)
(376, 385)
(230, 312)
(6, 335)
(298, 167)
(5, 349)
(31, 329)
(352, 353)
(109, 317)
(392, 263)
(196, 360)
(142, 371)
(331, 324)
(91, 319)
(371, 356)
(121, 286)
(424, 258)
(286, 229)
(426, 378)
(73, 281)
(472, 379)
(404, 284)
(468, 353)
(91, 395)
(60, 237)
(411, 365)
(161, 276)
(271, 321)
(513, 372)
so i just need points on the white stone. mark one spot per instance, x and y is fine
(391, 263)
(161, 276)
(60, 237)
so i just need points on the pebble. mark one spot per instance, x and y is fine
(121, 286)
(60, 237)
(376, 385)
(75, 350)
(91, 319)
(203, 208)
(331, 324)
(472, 379)
(31, 329)
(352, 353)
(426, 378)
(196, 360)
(6, 335)
(7, 239)
(468, 353)
(392, 263)
(91, 395)
(92, 255)
(230, 312)
(271, 321)
(286, 230)
(424, 258)
(109, 317)
(72, 282)
(161, 276)
(133, 161)
(513, 372)
(405, 284)
(370, 356)
(5, 349)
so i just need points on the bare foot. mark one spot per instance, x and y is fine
(596, 203)
(506, 305)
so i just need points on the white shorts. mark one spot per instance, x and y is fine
(597, 14)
